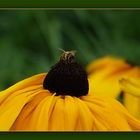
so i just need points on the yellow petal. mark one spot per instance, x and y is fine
(10, 109)
(106, 117)
(31, 81)
(85, 119)
(41, 115)
(131, 89)
(132, 103)
(13, 99)
(131, 86)
(132, 121)
(70, 113)
(103, 62)
(23, 120)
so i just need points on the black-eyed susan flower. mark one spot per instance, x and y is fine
(131, 90)
(59, 101)
(104, 75)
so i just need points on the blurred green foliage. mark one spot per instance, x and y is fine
(29, 40)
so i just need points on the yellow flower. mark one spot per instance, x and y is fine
(104, 74)
(27, 106)
(131, 89)
(59, 101)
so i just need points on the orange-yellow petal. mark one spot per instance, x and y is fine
(13, 99)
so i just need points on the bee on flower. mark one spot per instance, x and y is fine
(60, 101)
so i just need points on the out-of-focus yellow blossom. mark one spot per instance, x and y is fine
(27, 106)
(131, 89)
(104, 74)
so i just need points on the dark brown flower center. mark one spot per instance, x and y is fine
(67, 77)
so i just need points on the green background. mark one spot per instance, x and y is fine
(69, 4)
(70, 135)
(30, 40)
